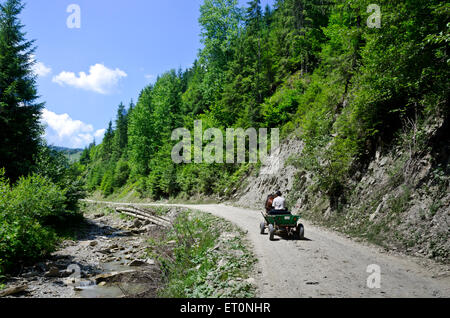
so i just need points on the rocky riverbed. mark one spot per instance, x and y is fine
(107, 259)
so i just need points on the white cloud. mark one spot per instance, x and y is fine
(64, 131)
(100, 79)
(39, 68)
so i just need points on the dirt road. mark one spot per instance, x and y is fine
(328, 264)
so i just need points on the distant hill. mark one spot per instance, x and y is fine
(72, 154)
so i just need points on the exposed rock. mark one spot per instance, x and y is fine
(30, 274)
(150, 261)
(110, 276)
(137, 223)
(105, 251)
(138, 263)
(53, 272)
(251, 281)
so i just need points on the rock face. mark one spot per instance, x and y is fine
(276, 175)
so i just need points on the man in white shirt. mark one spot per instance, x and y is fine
(279, 204)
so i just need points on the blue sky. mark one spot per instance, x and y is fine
(121, 47)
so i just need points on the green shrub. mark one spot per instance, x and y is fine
(121, 174)
(57, 168)
(106, 186)
(23, 240)
(36, 197)
(24, 208)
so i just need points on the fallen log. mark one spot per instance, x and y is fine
(139, 215)
(147, 214)
(13, 291)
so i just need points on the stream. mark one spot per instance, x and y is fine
(108, 260)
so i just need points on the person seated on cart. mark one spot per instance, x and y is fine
(279, 205)
(269, 203)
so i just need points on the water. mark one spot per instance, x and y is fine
(88, 289)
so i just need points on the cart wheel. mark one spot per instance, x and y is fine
(271, 232)
(300, 233)
(263, 228)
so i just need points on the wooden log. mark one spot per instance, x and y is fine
(138, 215)
(144, 218)
(145, 214)
(150, 213)
(13, 291)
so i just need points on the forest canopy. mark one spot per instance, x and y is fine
(333, 73)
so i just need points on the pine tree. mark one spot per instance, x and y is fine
(19, 112)
(120, 141)
(130, 108)
(107, 145)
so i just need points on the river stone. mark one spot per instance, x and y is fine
(137, 263)
(105, 251)
(30, 275)
(251, 281)
(150, 261)
(53, 272)
(109, 276)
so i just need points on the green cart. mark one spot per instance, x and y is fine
(286, 224)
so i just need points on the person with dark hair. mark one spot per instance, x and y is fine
(279, 205)
(269, 203)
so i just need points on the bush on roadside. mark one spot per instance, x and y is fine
(25, 210)
(56, 167)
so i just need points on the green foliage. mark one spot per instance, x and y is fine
(107, 185)
(55, 166)
(19, 113)
(193, 269)
(37, 197)
(24, 210)
(313, 67)
(121, 174)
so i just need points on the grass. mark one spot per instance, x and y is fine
(210, 258)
